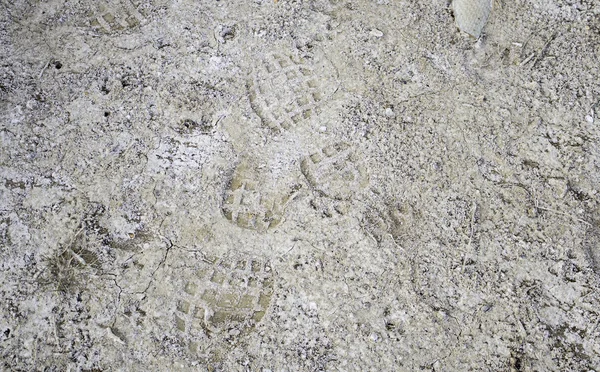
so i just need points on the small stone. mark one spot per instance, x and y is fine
(375, 32)
(389, 113)
(589, 119)
(471, 15)
(323, 129)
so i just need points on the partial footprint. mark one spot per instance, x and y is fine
(105, 16)
(285, 89)
(254, 203)
(222, 302)
(116, 15)
(335, 172)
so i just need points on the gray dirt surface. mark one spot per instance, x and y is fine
(320, 185)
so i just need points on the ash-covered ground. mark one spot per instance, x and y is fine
(325, 185)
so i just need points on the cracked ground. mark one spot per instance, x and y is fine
(323, 185)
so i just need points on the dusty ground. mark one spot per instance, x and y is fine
(298, 186)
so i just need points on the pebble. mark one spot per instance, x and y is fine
(471, 15)
(375, 32)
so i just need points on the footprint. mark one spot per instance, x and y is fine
(224, 300)
(116, 16)
(335, 172)
(106, 16)
(285, 89)
(254, 204)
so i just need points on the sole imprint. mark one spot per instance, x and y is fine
(335, 172)
(116, 16)
(224, 300)
(285, 90)
(250, 204)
